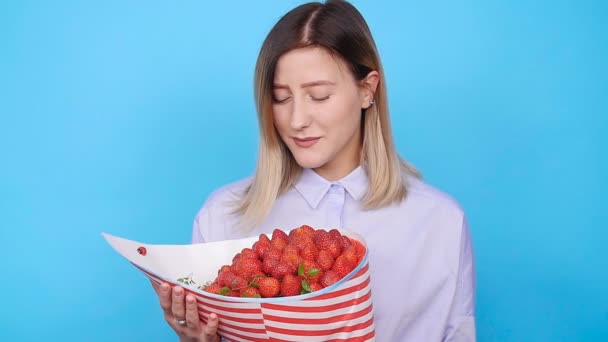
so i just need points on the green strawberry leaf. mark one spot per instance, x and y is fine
(224, 290)
(305, 286)
(257, 296)
(254, 284)
(313, 272)
(301, 269)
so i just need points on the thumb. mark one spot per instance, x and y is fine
(210, 331)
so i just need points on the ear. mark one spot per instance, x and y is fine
(367, 88)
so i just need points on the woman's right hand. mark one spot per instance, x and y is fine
(172, 303)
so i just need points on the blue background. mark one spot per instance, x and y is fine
(122, 116)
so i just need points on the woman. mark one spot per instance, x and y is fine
(327, 159)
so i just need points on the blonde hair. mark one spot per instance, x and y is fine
(339, 28)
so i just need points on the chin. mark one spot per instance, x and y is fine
(308, 162)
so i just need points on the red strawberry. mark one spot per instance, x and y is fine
(223, 269)
(273, 253)
(213, 288)
(308, 231)
(233, 293)
(279, 234)
(345, 241)
(280, 270)
(278, 243)
(269, 287)
(335, 234)
(312, 271)
(330, 244)
(260, 248)
(292, 260)
(350, 253)
(291, 285)
(325, 260)
(360, 249)
(249, 291)
(225, 278)
(329, 278)
(320, 234)
(309, 252)
(248, 253)
(237, 283)
(269, 264)
(342, 266)
(315, 286)
(248, 266)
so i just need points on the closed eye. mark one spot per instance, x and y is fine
(275, 100)
(321, 99)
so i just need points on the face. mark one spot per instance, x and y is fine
(317, 110)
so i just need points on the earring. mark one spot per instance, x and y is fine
(371, 102)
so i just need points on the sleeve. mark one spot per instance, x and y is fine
(461, 322)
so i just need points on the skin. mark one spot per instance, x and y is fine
(316, 96)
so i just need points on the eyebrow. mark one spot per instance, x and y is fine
(305, 85)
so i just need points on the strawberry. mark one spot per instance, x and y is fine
(233, 293)
(237, 283)
(269, 287)
(311, 271)
(280, 270)
(308, 230)
(223, 269)
(213, 288)
(249, 291)
(279, 243)
(360, 249)
(269, 264)
(261, 246)
(315, 286)
(325, 260)
(342, 266)
(292, 260)
(273, 253)
(291, 285)
(330, 244)
(250, 267)
(329, 278)
(309, 252)
(350, 253)
(248, 253)
(345, 242)
(278, 234)
(335, 234)
(225, 278)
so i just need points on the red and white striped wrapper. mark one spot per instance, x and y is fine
(341, 312)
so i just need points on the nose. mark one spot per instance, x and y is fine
(300, 116)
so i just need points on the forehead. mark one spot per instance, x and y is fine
(310, 64)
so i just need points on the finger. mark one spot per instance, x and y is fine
(211, 327)
(177, 303)
(192, 318)
(164, 296)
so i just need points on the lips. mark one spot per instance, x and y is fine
(306, 142)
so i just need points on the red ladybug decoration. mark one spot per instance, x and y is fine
(142, 250)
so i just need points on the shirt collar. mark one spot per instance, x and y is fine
(313, 187)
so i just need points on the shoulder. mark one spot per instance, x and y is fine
(426, 199)
(227, 194)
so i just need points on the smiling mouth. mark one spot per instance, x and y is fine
(306, 142)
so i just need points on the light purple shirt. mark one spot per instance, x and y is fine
(420, 252)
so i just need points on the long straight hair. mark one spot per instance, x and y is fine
(338, 28)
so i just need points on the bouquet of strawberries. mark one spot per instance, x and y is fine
(305, 261)
(304, 284)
